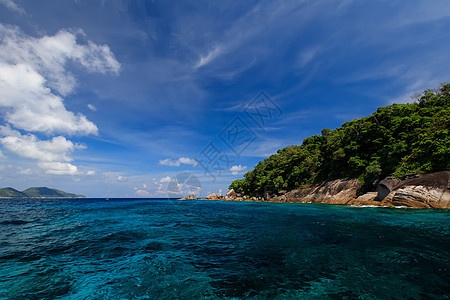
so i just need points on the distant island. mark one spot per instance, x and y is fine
(36, 192)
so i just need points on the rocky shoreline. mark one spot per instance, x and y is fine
(414, 190)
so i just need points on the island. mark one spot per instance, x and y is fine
(36, 192)
(398, 156)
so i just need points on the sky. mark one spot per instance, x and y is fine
(119, 98)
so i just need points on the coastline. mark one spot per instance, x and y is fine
(413, 191)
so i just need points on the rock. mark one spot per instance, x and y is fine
(339, 191)
(367, 199)
(253, 198)
(385, 186)
(427, 191)
(190, 197)
(231, 194)
(212, 196)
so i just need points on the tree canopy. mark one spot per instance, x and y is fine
(395, 140)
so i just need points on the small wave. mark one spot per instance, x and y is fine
(14, 222)
(374, 206)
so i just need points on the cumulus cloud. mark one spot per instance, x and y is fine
(53, 155)
(49, 55)
(176, 163)
(90, 173)
(165, 179)
(235, 170)
(31, 106)
(33, 80)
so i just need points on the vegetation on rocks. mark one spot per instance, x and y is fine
(395, 140)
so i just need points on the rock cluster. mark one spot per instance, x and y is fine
(418, 191)
(190, 197)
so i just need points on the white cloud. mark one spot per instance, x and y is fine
(12, 6)
(31, 106)
(26, 171)
(59, 168)
(178, 162)
(204, 60)
(52, 155)
(188, 161)
(165, 179)
(92, 107)
(142, 193)
(49, 55)
(122, 178)
(33, 80)
(90, 173)
(235, 170)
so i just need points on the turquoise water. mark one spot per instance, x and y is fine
(163, 249)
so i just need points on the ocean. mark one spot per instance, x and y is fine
(168, 249)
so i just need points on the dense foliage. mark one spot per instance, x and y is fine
(397, 139)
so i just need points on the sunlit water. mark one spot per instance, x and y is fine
(163, 249)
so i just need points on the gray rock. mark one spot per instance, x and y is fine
(231, 195)
(386, 186)
(212, 196)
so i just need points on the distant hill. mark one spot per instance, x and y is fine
(36, 192)
(11, 193)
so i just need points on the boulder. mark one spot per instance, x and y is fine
(231, 195)
(212, 196)
(339, 191)
(427, 191)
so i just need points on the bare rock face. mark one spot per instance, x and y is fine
(421, 197)
(427, 191)
(231, 195)
(339, 191)
(212, 196)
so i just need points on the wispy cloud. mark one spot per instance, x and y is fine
(12, 6)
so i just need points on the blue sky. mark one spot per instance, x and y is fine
(117, 98)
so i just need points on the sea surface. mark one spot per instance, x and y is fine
(167, 249)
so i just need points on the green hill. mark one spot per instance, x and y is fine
(11, 193)
(36, 192)
(397, 139)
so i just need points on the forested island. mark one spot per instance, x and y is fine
(396, 143)
(36, 192)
